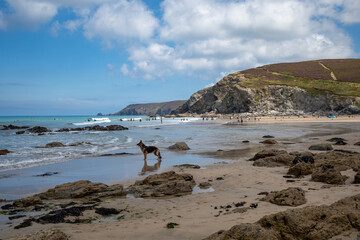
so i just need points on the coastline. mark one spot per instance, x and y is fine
(196, 213)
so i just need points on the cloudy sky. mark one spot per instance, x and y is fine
(77, 57)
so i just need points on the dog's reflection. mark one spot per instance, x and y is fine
(147, 168)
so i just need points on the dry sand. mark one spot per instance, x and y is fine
(196, 213)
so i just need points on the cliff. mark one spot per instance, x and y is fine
(321, 86)
(162, 108)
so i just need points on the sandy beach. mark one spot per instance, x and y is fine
(234, 182)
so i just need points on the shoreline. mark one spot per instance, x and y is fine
(196, 213)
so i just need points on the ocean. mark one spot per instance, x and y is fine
(200, 135)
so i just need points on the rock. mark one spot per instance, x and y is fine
(327, 174)
(38, 129)
(272, 158)
(357, 144)
(106, 211)
(47, 174)
(13, 127)
(188, 166)
(4, 152)
(269, 141)
(336, 139)
(164, 184)
(80, 189)
(321, 147)
(300, 169)
(27, 202)
(342, 161)
(115, 154)
(288, 197)
(357, 178)
(54, 144)
(268, 136)
(78, 144)
(95, 128)
(340, 143)
(204, 185)
(312, 223)
(179, 146)
(305, 159)
(20, 132)
(245, 141)
(60, 215)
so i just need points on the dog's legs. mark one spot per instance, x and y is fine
(145, 155)
(157, 153)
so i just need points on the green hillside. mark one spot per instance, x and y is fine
(338, 76)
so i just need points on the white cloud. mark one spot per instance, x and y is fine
(121, 20)
(30, 13)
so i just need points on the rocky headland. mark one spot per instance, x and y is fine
(322, 86)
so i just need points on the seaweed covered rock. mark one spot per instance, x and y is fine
(340, 160)
(300, 169)
(327, 174)
(179, 146)
(287, 197)
(163, 184)
(27, 202)
(312, 223)
(272, 158)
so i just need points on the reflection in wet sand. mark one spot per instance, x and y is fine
(147, 168)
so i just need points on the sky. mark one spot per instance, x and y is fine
(81, 57)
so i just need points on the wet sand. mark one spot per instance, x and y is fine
(198, 215)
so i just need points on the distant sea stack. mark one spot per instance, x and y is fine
(322, 86)
(162, 108)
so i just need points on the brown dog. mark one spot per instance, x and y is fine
(149, 149)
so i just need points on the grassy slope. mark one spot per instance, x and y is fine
(310, 75)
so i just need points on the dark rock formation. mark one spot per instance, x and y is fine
(204, 185)
(106, 211)
(13, 127)
(54, 144)
(162, 108)
(38, 129)
(288, 197)
(321, 147)
(336, 139)
(300, 169)
(164, 184)
(95, 128)
(20, 132)
(357, 178)
(340, 143)
(327, 174)
(179, 146)
(269, 141)
(272, 158)
(303, 158)
(4, 152)
(312, 223)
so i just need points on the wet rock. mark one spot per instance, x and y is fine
(272, 158)
(27, 202)
(321, 147)
(268, 136)
(327, 174)
(288, 197)
(95, 128)
(312, 223)
(305, 159)
(179, 146)
(357, 178)
(25, 223)
(164, 184)
(245, 141)
(80, 189)
(300, 169)
(4, 152)
(54, 144)
(79, 144)
(20, 132)
(193, 166)
(13, 127)
(115, 154)
(50, 234)
(38, 129)
(58, 216)
(106, 211)
(47, 174)
(340, 143)
(204, 185)
(269, 141)
(357, 143)
(336, 139)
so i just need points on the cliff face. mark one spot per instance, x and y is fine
(162, 108)
(265, 91)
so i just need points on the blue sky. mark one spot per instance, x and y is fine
(78, 57)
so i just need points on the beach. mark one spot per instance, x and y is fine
(233, 197)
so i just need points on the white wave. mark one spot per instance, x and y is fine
(129, 140)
